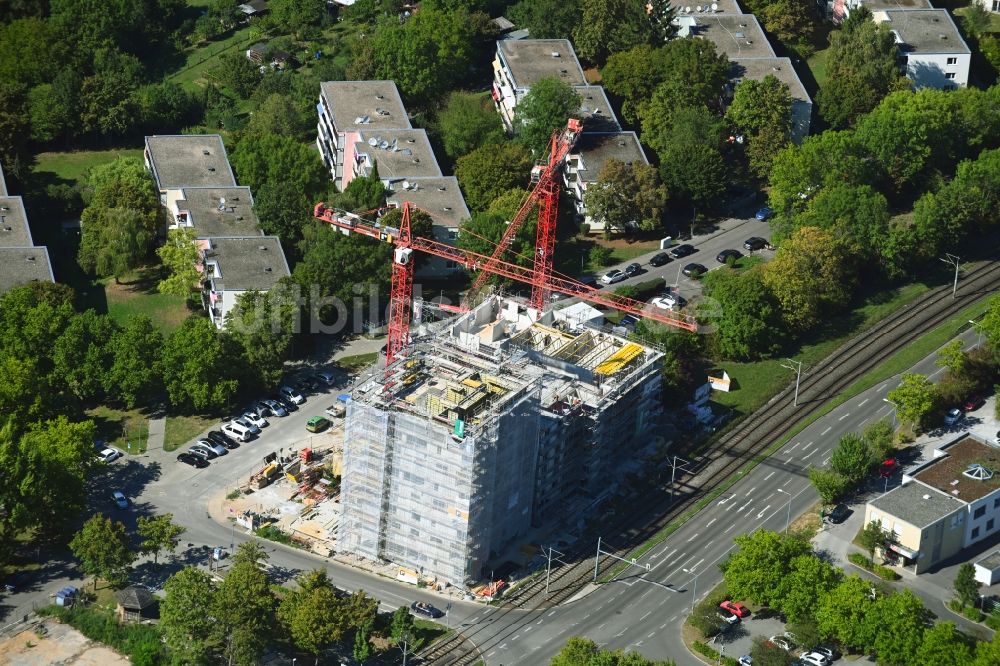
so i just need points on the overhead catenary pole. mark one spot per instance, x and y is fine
(796, 367)
(953, 260)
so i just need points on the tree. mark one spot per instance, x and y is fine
(661, 17)
(749, 325)
(298, 16)
(468, 121)
(402, 623)
(238, 73)
(914, 398)
(766, 653)
(966, 585)
(988, 653)
(364, 193)
(284, 211)
(103, 549)
(196, 370)
(83, 352)
(50, 115)
(808, 579)
(989, 325)
(491, 170)
(952, 357)
(976, 20)
(862, 69)
(879, 436)
(900, 619)
(943, 645)
(859, 217)
(691, 161)
(762, 110)
(362, 644)
(135, 373)
(830, 485)
(189, 599)
(262, 325)
(277, 114)
(273, 158)
(610, 26)
(545, 108)
(851, 458)
(633, 75)
(313, 615)
(546, 19)
(792, 23)
(158, 533)
(847, 614)
(872, 537)
(763, 560)
(808, 276)
(583, 651)
(627, 194)
(180, 256)
(244, 607)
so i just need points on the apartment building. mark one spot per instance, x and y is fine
(931, 50)
(441, 198)
(945, 505)
(233, 266)
(399, 154)
(519, 63)
(187, 160)
(584, 164)
(780, 68)
(213, 211)
(21, 261)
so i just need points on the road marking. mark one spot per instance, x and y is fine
(729, 528)
(808, 455)
(516, 636)
(750, 492)
(553, 612)
(696, 564)
(794, 446)
(639, 644)
(807, 446)
(709, 543)
(709, 524)
(651, 634)
(744, 506)
(763, 511)
(491, 653)
(825, 461)
(693, 537)
(664, 625)
(882, 388)
(867, 419)
(829, 428)
(602, 626)
(844, 416)
(860, 404)
(619, 635)
(648, 613)
(769, 476)
(527, 629)
(540, 620)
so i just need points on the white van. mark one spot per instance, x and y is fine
(236, 431)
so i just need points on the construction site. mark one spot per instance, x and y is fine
(493, 423)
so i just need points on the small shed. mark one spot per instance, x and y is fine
(134, 604)
(988, 568)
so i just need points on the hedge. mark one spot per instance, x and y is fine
(712, 654)
(885, 573)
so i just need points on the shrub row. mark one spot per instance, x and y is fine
(140, 642)
(712, 654)
(885, 573)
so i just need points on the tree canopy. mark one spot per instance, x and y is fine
(492, 170)
(546, 107)
(627, 194)
(610, 26)
(466, 122)
(104, 549)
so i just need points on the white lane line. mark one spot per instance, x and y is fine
(750, 492)
(601, 626)
(793, 447)
(553, 612)
(709, 524)
(664, 625)
(540, 620)
(491, 653)
(844, 416)
(648, 613)
(670, 620)
(516, 636)
(867, 419)
(882, 388)
(729, 528)
(807, 456)
(697, 564)
(826, 460)
(693, 537)
(763, 511)
(709, 543)
(744, 506)
(769, 476)
(860, 404)
(621, 634)
(828, 429)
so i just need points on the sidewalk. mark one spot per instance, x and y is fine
(157, 431)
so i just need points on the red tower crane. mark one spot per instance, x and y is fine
(545, 193)
(405, 243)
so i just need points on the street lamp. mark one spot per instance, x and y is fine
(796, 366)
(694, 587)
(894, 407)
(788, 511)
(953, 260)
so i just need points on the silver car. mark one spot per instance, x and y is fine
(218, 448)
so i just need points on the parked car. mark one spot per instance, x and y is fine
(814, 659)
(735, 607)
(839, 513)
(218, 448)
(669, 301)
(338, 409)
(827, 652)
(287, 404)
(191, 459)
(317, 424)
(724, 256)
(248, 424)
(262, 409)
(219, 437)
(745, 660)
(632, 270)
(588, 281)
(292, 394)
(973, 403)
(237, 431)
(325, 377)
(887, 468)
(256, 419)
(694, 270)
(16, 581)
(118, 497)
(628, 322)
(783, 642)
(754, 243)
(727, 617)
(682, 251)
(109, 455)
(953, 416)
(613, 276)
(276, 407)
(425, 609)
(204, 454)
(659, 259)
(764, 213)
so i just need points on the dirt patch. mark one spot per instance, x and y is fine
(54, 643)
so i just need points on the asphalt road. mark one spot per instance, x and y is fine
(644, 611)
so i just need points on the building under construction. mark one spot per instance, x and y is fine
(491, 424)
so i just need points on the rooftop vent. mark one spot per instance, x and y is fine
(267, 269)
(978, 472)
(555, 54)
(621, 142)
(379, 96)
(927, 497)
(262, 248)
(362, 120)
(740, 35)
(30, 258)
(776, 68)
(416, 160)
(411, 140)
(206, 152)
(943, 36)
(441, 189)
(447, 208)
(239, 218)
(564, 71)
(212, 169)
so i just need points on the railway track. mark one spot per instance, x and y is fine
(734, 449)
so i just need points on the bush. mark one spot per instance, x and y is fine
(885, 573)
(993, 621)
(710, 652)
(600, 255)
(272, 533)
(142, 643)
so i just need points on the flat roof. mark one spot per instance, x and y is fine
(705, 8)
(925, 30)
(736, 35)
(595, 110)
(402, 153)
(364, 104)
(596, 149)
(991, 561)
(255, 262)
(946, 472)
(20, 265)
(441, 198)
(209, 217)
(184, 160)
(529, 60)
(916, 504)
(876, 5)
(779, 68)
(14, 231)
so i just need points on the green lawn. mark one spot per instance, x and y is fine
(818, 63)
(201, 59)
(757, 382)
(137, 295)
(127, 430)
(181, 429)
(73, 166)
(994, 18)
(357, 361)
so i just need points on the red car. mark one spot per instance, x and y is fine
(887, 468)
(734, 607)
(973, 403)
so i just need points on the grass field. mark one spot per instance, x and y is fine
(818, 63)
(201, 59)
(127, 430)
(73, 166)
(181, 429)
(138, 295)
(357, 361)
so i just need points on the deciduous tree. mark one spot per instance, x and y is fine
(610, 26)
(749, 322)
(914, 398)
(280, 159)
(830, 485)
(402, 623)
(900, 619)
(468, 121)
(545, 108)
(158, 533)
(691, 161)
(298, 16)
(180, 256)
(808, 579)
(83, 353)
(627, 194)
(104, 549)
(196, 370)
(491, 170)
(244, 607)
(944, 645)
(966, 585)
(757, 569)
(546, 19)
(847, 614)
(851, 458)
(762, 111)
(263, 325)
(189, 599)
(135, 374)
(872, 537)
(313, 615)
